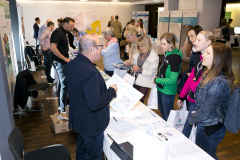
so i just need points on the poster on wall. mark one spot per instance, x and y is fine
(175, 25)
(228, 15)
(144, 15)
(163, 22)
(8, 45)
(92, 22)
(189, 19)
(86, 21)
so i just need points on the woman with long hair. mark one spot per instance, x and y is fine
(131, 38)
(168, 74)
(204, 39)
(140, 28)
(195, 57)
(212, 96)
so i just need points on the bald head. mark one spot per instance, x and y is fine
(86, 43)
(90, 46)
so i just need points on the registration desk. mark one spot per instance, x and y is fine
(140, 116)
(121, 129)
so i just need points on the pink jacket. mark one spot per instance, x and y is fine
(190, 84)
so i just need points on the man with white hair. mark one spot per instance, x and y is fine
(88, 99)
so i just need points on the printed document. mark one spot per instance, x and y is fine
(127, 96)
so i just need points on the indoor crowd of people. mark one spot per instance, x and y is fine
(206, 85)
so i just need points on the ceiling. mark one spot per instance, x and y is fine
(131, 1)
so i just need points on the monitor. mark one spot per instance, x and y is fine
(237, 30)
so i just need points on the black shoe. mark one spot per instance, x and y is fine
(51, 81)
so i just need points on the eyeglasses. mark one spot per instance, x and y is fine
(100, 45)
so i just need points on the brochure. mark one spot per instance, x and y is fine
(121, 65)
(127, 96)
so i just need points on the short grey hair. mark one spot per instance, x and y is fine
(86, 43)
(108, 31)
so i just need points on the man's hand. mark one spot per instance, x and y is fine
(114, 87)
(67, 60)
(135, 68)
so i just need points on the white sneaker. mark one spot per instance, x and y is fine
(64, 112)
(59, 108)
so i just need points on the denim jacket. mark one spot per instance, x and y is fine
(210, 100)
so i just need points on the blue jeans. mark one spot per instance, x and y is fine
(61, 71)
(209, 143)
(187, 127)
(37, 46)
(48, 64)
(165, 104)
(89, 148)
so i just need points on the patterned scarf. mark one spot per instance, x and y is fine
(112, 40)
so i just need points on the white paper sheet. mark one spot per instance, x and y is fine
(127, 96)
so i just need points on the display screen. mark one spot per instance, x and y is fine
(237, 30)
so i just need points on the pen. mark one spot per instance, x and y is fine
(115, 119)
(110, 136)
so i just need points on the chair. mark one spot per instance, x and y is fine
(52, 152)
(34, 58)
(37, 58)
(27, 86)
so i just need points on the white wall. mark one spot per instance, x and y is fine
(185, 5)
(171, 5)
(55, 10)
(209, 13)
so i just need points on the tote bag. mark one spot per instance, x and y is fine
(129, 79)
(153, 98)
(177, 118)
(193, 133)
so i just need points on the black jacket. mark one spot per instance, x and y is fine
(88, 97)
(21, 93)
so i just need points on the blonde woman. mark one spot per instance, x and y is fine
(131, 37)
(145, 64)
(204, 39)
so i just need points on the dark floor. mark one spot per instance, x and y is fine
(37, 129)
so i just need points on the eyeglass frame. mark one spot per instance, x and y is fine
(100, 45)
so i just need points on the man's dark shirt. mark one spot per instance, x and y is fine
(59, 36)
(35, 29)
